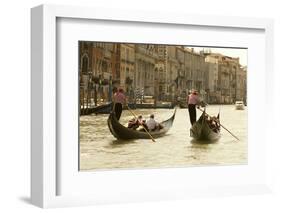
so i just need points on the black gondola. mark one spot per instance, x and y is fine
(106, 108)
(103, 109)
(202, 131)
(121, 132)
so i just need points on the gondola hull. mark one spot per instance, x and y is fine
(107, 108)
(201, 131)
(103, 109)
(121, 132)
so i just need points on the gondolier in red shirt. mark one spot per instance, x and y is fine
(192, 101)
(119, 100)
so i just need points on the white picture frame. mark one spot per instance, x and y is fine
(44, 150)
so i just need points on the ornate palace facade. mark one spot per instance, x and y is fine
(164, 72)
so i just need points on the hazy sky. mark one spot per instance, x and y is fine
(232, 52)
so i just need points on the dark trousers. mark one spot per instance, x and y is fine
(192, 113)
(118, 110)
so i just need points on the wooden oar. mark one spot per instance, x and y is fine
(141, 124)
(221, 126)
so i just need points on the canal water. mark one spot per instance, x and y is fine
(100, 150)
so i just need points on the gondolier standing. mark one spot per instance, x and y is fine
(119, 100)
(192, 101)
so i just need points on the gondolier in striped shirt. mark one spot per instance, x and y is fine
(119, 100)
(192, 101)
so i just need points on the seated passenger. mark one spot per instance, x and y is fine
(213, 123)
(152, 125)
(135, 123)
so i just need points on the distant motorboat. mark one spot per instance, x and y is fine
(239, 105)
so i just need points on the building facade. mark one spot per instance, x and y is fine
(229, 79)
(127, 69)
(211, 80)
(145, 60)
(160, 76)
(98, 64)
(195, 67)
(164, 72)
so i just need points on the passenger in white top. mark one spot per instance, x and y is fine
(152, 124)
